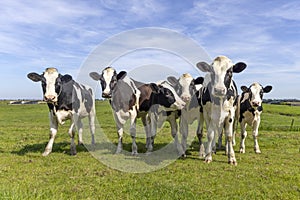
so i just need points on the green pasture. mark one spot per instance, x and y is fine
(26, 174)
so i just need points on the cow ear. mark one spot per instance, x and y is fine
(154, 87)
(199, 80)
(172, 80)
(244, 88)
(121, 75)
(267, 89)
(239, 67)
(66, 78)
(34, 77)
(95, 76)
(204, 67)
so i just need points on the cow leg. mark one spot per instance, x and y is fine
(174, 129)
(228, 132)
(255, 135)
(80, 130)
(200, 135)
(53, 131)
(243, 137)
(210, 138)
(220, 140)
(133, 115)
(92, 128)
(71, 132)
(184, 128)
(146, 124)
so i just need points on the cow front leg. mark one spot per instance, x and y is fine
(200, 135)
(210, 138)
(255, 135)
(229, 135)
(243, 137)
(174, 131)
(183, 125)
(53, 132)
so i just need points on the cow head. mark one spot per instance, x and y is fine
(221, 72)
(108, 80)
(52, 83)
(255, 93)
(185, 86)
(164, 96)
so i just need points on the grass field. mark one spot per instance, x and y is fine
(25, 174)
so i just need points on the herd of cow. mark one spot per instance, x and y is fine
(213, 100)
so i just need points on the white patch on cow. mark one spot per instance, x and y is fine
(220, 66)
(63, 115)
(107, 75)
(185, 81)
(256, 98)
(51, 75)
(179, 103)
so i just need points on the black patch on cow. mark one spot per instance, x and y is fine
(123, 97)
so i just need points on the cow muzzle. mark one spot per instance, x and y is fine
(51, 98)
(219, 92)
(186, 98)
(106, 95)
(255, 103)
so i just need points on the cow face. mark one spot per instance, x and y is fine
(108, 80)
(185, 86)
(255, 93)
(221, 72)
(51, 83)
(163, 96)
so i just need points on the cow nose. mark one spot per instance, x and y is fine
(49, 97)
(186, 98)
(255, 103)
(106, 95)
(219, 91)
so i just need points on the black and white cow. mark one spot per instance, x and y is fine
(188, 89)
(66, 99)
(132, 99)
(218, 98)
(249, 111)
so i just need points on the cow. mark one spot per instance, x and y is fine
(132, 99)
(249, 111)
(188, 89)
(66, 99)
(218, 98)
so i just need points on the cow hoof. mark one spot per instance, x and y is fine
(233, 162)
(134, 153)
(242, 150)
(46, 153)
(207, 161)
(258, 151)
(183, 156)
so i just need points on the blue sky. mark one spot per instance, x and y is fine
(39, 34)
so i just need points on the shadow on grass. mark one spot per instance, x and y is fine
(61, 147)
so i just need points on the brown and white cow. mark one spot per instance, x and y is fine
(218, 97)
(249, 112)
(66, 99)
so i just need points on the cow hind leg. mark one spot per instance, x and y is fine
(92, 129)
(133, 116)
